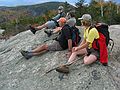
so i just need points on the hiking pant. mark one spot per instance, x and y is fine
(50, 24)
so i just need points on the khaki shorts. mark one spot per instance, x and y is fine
(93, 52)
(55, 46)
(50, 24)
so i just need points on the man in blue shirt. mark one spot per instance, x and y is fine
(51, 24)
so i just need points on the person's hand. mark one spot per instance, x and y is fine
(74, 49)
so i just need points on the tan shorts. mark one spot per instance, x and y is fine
(55, 46)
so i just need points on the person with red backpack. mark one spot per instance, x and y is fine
(88, 46)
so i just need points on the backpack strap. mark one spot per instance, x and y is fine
(55, 22)
(90, 28)
(61, 14)
(112, 44)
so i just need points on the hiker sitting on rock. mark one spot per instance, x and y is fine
(62, 42)
(86, 45)
(71, 21)
(51, 24)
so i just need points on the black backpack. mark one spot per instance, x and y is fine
(103, 28)
(75, 35)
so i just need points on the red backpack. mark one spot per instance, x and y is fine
(102, 42)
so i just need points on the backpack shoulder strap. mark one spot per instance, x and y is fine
(112, 44)
(62, 14)
(90, 28)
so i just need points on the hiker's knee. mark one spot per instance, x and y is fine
(86, 62)
(89, 59)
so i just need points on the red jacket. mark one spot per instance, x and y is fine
(102, 48)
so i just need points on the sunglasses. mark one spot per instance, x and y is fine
(59, 9)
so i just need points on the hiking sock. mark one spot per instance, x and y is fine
(49, 33)
(29, 50)
(27, 54)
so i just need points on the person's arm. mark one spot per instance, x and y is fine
(68, 36)
(56, 30)
(57, 17)
(85, 45)
(69, 48)
(83, 42)
(69, 45)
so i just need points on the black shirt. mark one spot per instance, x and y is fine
(65, 34)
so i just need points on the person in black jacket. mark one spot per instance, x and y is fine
(62, 42)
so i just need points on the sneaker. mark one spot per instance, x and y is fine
(49, 33)
(63, 69)
(26, 54)
(32, 29)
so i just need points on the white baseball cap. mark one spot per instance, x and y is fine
(86, 17)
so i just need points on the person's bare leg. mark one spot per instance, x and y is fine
(41, 27)
(40, 48)
(74, 54)
(89, 59)
(35, 54)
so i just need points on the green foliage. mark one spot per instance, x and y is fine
(15, 20)
(67, 7)
(110, 15)
(117, 19)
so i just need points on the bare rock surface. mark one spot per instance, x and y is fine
(17, 73)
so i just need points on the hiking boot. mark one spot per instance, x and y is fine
(32, 29)
(63, 69)
(26, 54)
(49, 33)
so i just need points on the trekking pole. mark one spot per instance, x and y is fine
(63, 64)
(61, 75)
(56, 67)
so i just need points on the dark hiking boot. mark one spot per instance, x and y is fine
(49, 33)
(26, 54)
(32, 29)
(63, 69)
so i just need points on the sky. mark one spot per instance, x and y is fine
(30, 2)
